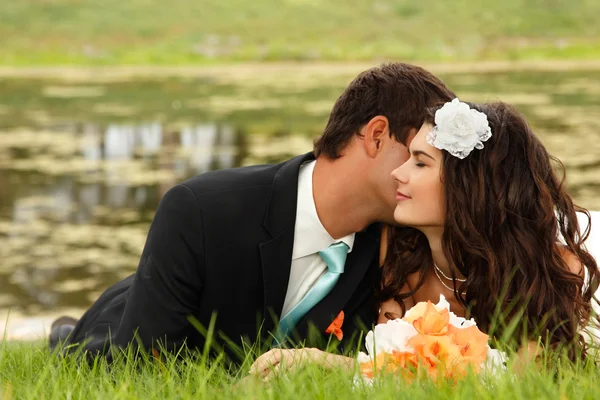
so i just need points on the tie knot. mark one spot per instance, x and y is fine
(335, 256)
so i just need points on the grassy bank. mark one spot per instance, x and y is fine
(113, 32)
(30, 372)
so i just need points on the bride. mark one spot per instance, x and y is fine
(485, 221)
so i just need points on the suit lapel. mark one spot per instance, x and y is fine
(276, 256)
(276, 253)
(363, 255)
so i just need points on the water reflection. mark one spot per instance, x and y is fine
(61, 247)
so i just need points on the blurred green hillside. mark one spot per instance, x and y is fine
(116, 32)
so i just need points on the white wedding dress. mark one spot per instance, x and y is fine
(593, 241)
(593, 246)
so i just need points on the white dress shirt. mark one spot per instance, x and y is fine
(310, 237)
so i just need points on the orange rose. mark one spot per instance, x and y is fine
(396, 362)
(434, 351)
(404, 358)
(471, 342)
(416, 311)
(431, 321)
(368, 368)
(461, 367)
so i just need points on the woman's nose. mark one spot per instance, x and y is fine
(399, 174)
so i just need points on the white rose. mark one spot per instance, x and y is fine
(459, 129)
(389, 336)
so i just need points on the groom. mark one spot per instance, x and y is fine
(296, 242)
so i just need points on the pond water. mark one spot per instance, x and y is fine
(83, 164)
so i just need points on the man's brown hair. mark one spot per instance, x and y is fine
(400, 92)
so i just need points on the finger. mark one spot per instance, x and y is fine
(272, 373)
(272, 361)
(260, 361)
(277, 371)
(254, 366)
(289, 361)
(267, 361)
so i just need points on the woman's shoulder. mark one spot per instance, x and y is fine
(573, 262)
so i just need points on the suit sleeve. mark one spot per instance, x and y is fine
(168, 283)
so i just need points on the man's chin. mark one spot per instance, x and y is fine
(389, 219)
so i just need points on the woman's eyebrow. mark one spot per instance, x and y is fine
(416, 153)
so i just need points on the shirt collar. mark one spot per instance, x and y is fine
(309, 234)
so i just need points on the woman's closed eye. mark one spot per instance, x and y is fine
(418, 156)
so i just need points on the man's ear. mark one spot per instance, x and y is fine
(374, 134)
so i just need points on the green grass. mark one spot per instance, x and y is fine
(41, 32)
(29, 371)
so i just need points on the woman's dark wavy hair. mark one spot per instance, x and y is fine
(506, 207)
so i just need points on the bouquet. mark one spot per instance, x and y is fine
(429, 340)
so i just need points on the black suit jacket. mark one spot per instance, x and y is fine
(220, 246)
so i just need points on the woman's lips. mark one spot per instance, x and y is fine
(401, 196)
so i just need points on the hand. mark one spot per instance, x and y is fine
(529, 352)
(276, 360)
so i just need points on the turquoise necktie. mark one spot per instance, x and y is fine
(335, 258)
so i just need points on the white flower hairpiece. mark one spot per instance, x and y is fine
(459, 129)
